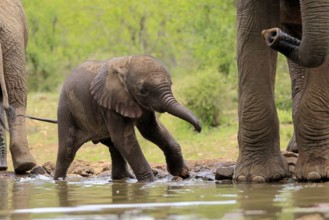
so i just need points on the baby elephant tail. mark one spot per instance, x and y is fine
(39, 119)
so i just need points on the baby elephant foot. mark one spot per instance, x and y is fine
(182, 170)
(120, 172)
(261, 171)
(146, 177)
(312, 168)
(123, 175)
(176, 165)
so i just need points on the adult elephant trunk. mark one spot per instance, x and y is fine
(312, 49)
(175, 108)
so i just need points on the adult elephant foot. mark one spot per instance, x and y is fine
(23, 161)
(260, 170)
(313, 166)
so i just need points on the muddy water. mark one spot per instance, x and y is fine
(42, 198)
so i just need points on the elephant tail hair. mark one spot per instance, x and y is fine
(39, 119)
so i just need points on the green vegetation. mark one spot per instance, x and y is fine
(195, 39)
(204, 95)
(185, 34)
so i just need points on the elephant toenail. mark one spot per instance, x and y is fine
(241, 179)
(313, 176)
(258, 179)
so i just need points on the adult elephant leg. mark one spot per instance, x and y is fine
(15, 78)
(259, 158)
(3, 145)
(312, 126)
(14, 43)
(155, 132)
(119, 165)
(297, 76)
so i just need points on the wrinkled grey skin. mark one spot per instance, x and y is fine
(103, 102)
(306, 44)
(13, 41)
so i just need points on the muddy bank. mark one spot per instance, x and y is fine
(205, 169)
(210, 170)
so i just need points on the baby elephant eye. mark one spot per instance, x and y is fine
(143, 91)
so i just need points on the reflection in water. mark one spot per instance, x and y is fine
(14, 196)
(3, 198)
(44, 198)
(126, 193)
(21, 196)
(310, 199)
(62, 191)
(259, 200)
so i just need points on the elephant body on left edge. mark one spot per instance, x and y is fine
(13, 41)
(102, 101)
(305, 42)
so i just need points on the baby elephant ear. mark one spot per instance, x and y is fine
(110, 91)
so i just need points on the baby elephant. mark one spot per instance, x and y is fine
(102, 101)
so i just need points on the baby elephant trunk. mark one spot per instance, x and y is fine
(178, 110)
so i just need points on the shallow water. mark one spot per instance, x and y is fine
(43, 198)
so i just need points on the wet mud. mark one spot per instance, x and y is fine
(208, 170)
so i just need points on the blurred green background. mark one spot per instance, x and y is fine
(195, 39)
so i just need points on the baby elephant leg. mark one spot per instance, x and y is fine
(119, 165)
(124, 139)
(155, 132)
(69, 141)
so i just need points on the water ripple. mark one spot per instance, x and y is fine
(88, 208)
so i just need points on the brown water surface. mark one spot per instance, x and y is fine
(97, 198)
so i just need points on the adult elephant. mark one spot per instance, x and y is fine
(305, 43)
(13, 41)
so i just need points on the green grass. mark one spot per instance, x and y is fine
(211, 143)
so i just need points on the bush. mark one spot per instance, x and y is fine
(66, 33)
(204, 96)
